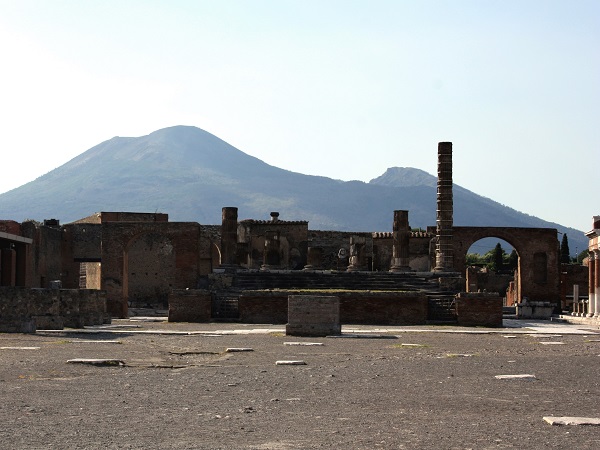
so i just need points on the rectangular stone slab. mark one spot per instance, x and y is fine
(523, 376)
(552, 420)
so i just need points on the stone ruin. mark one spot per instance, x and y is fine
(247, 270)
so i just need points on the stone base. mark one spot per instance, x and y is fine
(313, 315)
(17, 325)
(190, 305)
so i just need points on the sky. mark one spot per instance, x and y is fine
(343, 89)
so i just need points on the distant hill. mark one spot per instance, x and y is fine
(191, 174)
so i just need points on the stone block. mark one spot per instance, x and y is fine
(479, 309)
(313, 315)
(190, 305)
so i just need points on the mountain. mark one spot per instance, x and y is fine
(191, 174)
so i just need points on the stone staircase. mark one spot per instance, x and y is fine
(441, 303)
(442, 309)
(371, 281)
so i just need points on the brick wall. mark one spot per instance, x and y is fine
(357, 307)
(313, 315)
(479, 309)
(25, 310)
(192, 305)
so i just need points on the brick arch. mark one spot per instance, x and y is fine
(538, 250)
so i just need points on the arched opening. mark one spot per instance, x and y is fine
(492, 265)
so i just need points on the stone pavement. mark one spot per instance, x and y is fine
(152, 325)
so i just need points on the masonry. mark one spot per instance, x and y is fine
(142, 260)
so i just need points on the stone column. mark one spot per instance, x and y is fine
(591, 281)
(356, 260)
(314, 257)
(271, 259)
(229, 237)
(444, 253)
(597, 284)
(400, 246)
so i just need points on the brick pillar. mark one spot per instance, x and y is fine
(444, 253)
(8, 276)
(400, 245)
(229, 237)
(21, 265)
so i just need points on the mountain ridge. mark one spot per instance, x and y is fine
(191, 174)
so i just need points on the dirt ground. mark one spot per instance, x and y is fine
(407, 390)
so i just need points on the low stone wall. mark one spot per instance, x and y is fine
(24, 310)
(479, 309)
(190, 305)
(356, 307)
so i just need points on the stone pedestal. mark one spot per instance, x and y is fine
(313, 315)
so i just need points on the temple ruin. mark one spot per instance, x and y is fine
(246, 269)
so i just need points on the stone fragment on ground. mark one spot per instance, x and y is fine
(290, 363)
(363, 336)
(306, 344)
(239, 349)
(20, 348)
(551, 343)
(97, 361)
(552, 420)
(523, 376)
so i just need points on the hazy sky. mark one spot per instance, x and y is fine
(343, 89)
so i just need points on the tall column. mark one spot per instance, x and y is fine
(592, 262)
(597, 284)
(229, 236)
(444, 253)
(400, 245)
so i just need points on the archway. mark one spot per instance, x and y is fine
(538, 257)
(148, 270)
(491, 267)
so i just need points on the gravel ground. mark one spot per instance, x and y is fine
(406, 390)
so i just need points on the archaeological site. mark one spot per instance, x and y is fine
(278, 271)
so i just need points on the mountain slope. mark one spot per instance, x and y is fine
(191, 174)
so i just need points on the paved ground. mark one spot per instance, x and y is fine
(398, 387)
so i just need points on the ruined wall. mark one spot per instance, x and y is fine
(142, 262)
(293, 242)
(570, 275)
(358, 307)
(25, 310)
(44, 255)
(190, 305)
(332, 241)
(479, 309)
(419, 251)
(123, 216)
(486, 281)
